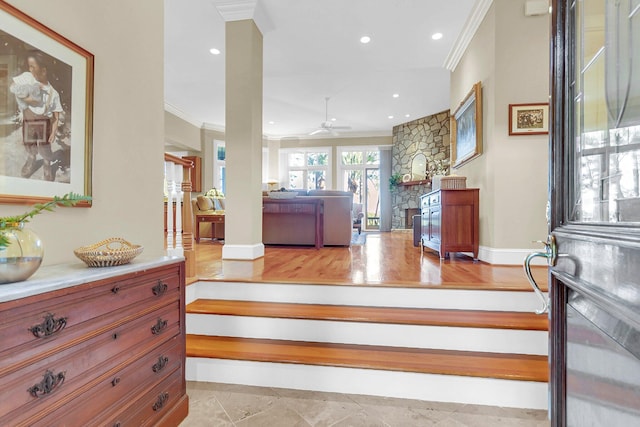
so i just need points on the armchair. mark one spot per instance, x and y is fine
(357, 216)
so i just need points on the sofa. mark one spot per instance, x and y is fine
(297, 229)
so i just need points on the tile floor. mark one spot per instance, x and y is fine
(222, 405)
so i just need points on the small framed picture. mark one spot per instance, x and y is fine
(529, 119)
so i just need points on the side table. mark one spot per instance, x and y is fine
(210, 218)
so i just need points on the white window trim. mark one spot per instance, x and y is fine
(285, 168)
(361, 148)
(217, 163)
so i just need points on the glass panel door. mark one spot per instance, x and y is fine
(372, 198)
(606, 111)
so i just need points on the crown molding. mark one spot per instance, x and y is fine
(479, 11)
(239, 10)
(342, 135)
(182, 115)
(235, 10)
(213, 127)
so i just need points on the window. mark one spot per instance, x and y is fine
(307, 169)
(219, 166)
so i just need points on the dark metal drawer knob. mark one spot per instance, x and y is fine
(160, 288)
(160, 364)
(159, 326)
(50, 383)
(49, 326)
(162, 399)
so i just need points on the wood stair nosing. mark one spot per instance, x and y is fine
(429, 361)
(389, 315)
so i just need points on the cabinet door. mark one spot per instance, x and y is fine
(435, 224)
(424, 222)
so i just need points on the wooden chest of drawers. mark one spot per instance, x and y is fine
(105, 352)
(450, 221)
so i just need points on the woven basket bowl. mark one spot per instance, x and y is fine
(108, 253)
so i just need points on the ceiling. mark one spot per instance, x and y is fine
(312, 50)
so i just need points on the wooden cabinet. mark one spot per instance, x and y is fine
(450, 221)
(106, 352)
(195, 173)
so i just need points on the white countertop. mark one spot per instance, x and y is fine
(60, 276)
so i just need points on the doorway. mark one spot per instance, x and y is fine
(359, 173)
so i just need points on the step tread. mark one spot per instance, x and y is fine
(389, 315)
(446, 362)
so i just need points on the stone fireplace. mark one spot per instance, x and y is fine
(428, 135)
(408, 216)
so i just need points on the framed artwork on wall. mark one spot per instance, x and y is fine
(529, 119)
(46, 101)
(466, 128)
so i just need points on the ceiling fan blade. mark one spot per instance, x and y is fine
(317, 131)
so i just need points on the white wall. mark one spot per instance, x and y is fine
(180, 132)
(509, 54)
(127, 39)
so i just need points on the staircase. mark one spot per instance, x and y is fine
(457, 345)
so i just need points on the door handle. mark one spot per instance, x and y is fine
(551, 254)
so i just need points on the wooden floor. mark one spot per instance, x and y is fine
(386, 259)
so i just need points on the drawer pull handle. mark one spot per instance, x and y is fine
(115, 381)
(50, 383)
(162, 362)
(115, 289)
(49, 326)
(162, 399)
(115, 336)
(160, 288)
(159, 326)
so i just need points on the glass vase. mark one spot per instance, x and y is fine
(21, 252)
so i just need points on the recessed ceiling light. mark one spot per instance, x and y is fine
(333, 119)
(214, 51)
(271, 122)
(436, 36)
(396, 95)
(391, 117)
(407, 115)
(365, 39)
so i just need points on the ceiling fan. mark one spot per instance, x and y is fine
(327, 126)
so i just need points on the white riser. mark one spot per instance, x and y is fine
(429, 387)
(436, 337)
(366, 296)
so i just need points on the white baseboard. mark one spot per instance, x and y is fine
(508, 256)
(407, 385)
(242, 252)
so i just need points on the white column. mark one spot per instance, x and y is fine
(243, 219)
(169, 173)
(178, 174)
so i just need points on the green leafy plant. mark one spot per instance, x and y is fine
(394, 180)
(69, 199)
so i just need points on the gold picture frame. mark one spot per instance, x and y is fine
(529, 119)
(466, 128)
(46, 91)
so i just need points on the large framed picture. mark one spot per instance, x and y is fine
(466, 128)
(46, 108)
(528, 119)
